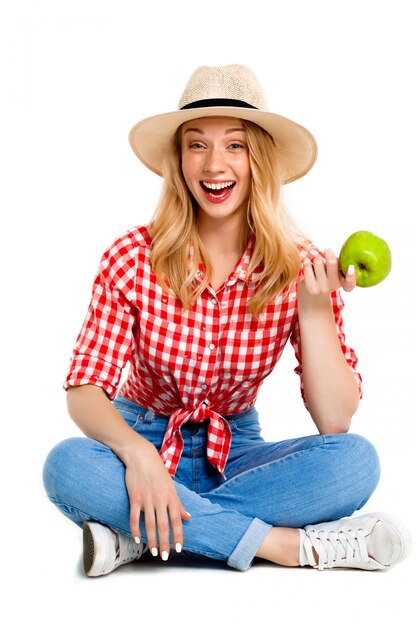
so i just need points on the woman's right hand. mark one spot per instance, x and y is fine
(152, 493)
(149, 485)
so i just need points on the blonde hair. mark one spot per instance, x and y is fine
(174, 227)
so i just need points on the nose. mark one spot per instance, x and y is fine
(215, 160)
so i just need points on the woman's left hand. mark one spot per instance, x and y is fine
(323, 276)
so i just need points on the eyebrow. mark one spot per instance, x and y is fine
(227, 132)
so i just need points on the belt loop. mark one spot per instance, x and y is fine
(149, 416)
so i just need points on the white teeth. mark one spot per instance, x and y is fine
(217, 185)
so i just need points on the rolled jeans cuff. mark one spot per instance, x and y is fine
(245, 551)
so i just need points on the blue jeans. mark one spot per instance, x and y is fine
(289, 483)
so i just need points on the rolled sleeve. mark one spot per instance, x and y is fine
(104, 344)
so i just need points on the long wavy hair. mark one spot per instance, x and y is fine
(173, 228)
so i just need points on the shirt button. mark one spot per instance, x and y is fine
(203, 386)
(214, 300)
(212, 346)
(199, 274)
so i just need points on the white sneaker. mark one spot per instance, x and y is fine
(373, 541)
(105, 549)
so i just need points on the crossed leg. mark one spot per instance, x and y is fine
(272, 489)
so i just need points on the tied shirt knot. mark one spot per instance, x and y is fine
(219, 437)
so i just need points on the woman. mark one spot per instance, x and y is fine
(201, 303)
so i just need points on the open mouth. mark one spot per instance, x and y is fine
(217, 191)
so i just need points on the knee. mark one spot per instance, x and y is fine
(62, 464)
(361, 461)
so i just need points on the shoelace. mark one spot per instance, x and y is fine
(336, 549)
(127, 549)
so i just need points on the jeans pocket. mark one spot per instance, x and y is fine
(246, 426)
(153, 431)
(132, 416)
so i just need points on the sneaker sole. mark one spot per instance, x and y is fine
(88, 548)
(96, 556)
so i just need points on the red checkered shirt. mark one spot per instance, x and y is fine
(190, 365)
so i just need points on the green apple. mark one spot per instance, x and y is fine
(370, 256)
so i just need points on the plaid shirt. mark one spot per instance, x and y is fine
(190, 365)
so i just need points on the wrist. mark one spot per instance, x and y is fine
(308, 303)
(135, 449)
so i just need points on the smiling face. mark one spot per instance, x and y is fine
(215, 164)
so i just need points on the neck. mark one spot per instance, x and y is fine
(221, 238)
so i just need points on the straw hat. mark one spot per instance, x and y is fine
(227, 91)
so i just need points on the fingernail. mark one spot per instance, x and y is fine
(137, 539)
(154, 551)
(178, 547)
(351, 270)
(164, 555)
(188, 513)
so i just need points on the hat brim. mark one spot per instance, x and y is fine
(150, 138)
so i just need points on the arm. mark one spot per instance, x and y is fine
(102, 349)
(330, 387)
(148, 483)
(96, 416)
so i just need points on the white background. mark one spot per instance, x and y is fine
(75, 76)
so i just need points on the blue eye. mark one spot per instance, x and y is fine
(236, 146)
